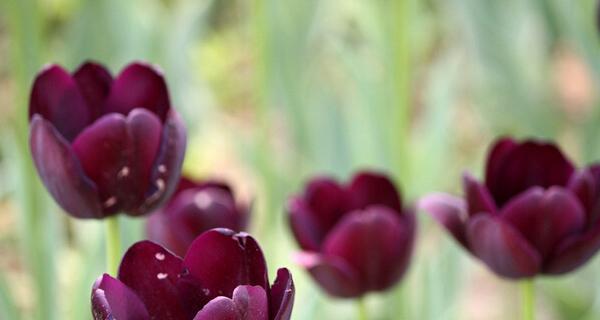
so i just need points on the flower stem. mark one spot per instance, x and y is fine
(527, 299)
(113, 244)
(362, 309)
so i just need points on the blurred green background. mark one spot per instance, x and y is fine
(275, 91)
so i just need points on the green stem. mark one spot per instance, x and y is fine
(113, 244)
(363, 314)
(527, 299)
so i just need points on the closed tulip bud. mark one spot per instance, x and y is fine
(356, 238)
(534, 214)
(195, 207)
(105, 145)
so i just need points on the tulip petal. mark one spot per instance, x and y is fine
(370, 188)
(154, 274)
(496, 157)
(333, 274)
(303, 223)
(222, 259)
(502, 248)
(545, 218)
(111, 299)
(159, 230)
(94, 83)
(574, 251)
(376, 242)
(61, 172)
(526, 165)
(282, 295)
(252, 302)
(219, 308)
(478, 197)
(166, 168)
(139, 85)
(56, 97)
(583, 185)
(449, 211)
(117, 153)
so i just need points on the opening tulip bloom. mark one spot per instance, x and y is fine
(196, 206)
(103, 145)
(534, 214)
(356, 238)
(222, 277)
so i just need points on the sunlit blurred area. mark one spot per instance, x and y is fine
(274, 92)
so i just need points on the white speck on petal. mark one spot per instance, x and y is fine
(161, 276)
(110, 202)
(124, 172)
(159, 256)
(202, 200)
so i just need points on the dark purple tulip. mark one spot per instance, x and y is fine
(103, 145)
(194, 208)
(356, 238)
(222, 277)
(535, 213)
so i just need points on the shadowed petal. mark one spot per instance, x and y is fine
(139, 85)
(545, 218)
(94, 83)
(303, 223)
(478, 197)
(370, 188)
(282, 295)
(222, 259)
(449, 211)
(528, 164)
(334, 275)
(376, 242)
(583, 185)
(56, 97)
(574, 251)
(111, 299)
(61, 172)
(153, 273)
(166, 168)
(502, 248)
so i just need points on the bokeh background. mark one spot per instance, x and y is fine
(275, 91)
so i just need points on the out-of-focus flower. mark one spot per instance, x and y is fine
(103, 145)
(196, 206)
(223, 276)
(535, 213)
(356, 238)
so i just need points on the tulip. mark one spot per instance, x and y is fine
(534, 214)
(223, 276)
(102, 145)
(194, 208)
(356, 238)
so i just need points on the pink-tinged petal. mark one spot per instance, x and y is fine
(61, 172)
(139, 85)
(526, 165)
(248, 303)
(333, 274)
(282, 295)
(371, 188)
(166, 168)
(574, 251)
(219, 308)
(117, 153)
(376, 242)
(305, 228)
(154, 274)
(502, 248)
(583, 185)
(56, 97)
(94, 82)
(449, 211)
(478, 197)
(222, 259)
(545, 218)
(111, 299)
